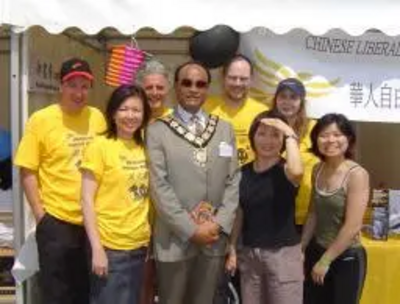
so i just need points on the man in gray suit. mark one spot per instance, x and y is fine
(194, 181)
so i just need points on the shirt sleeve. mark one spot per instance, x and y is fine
(30, 147)
(93, 160)
(99, 122)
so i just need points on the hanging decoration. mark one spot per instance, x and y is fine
(214, 47)
(124, 63)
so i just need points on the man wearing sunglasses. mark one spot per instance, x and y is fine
(234, 105)
(194, 181)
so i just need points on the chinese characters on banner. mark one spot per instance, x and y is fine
(384, 97)
(43, 76)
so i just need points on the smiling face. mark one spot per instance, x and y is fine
(74, 93)
(332, 143)
(156, 87)
(288, 103)
(268, 141)
(129, 117)
(191, 87)
(237, 80)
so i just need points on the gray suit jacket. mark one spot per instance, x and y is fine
(178, 185)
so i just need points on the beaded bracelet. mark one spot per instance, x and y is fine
(325, 261)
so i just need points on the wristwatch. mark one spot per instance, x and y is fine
(294, 136)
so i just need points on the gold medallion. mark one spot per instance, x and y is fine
(200, 156)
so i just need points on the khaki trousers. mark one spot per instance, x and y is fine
(271, 276)
(192, 281)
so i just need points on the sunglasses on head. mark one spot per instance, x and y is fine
(200, 84)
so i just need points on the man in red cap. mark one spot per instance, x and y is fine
(49, 155)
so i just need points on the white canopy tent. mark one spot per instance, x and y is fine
(91, 16)
(128, 16)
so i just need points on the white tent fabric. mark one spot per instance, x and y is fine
(128, 16)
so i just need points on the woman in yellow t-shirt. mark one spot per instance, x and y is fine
(115, 199)
(290, 101)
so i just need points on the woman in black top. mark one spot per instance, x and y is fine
(270, 262)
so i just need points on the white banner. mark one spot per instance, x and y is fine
(358, 76)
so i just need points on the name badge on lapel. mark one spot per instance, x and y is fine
(225, 149)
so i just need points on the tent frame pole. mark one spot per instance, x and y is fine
(18, 97)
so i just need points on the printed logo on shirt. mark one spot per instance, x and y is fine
(243, 156)
(243, 145)
(348, 259)
(139, 182)
(138, 179)
(76, 143)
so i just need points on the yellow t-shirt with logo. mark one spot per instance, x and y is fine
(309, 160)
(240, 118)
(122, 200)
(52, 145)
(165, 112)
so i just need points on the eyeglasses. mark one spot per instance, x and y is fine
(240, 79)
(200, 84)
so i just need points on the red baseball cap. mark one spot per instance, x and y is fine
(75, 67)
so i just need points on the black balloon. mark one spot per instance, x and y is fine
(215, 46)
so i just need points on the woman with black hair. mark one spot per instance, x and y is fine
(270, 261)
(115, 199)
(335, 259)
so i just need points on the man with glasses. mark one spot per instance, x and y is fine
(234, 105)
(49, 156)
(194, 181)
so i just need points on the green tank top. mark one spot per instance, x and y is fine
(330, 209)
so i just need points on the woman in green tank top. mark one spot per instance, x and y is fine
(335, 259)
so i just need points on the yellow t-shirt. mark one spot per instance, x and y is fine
(122, 200)
(309, 160)
(241, 119)
(52, 145)
(165, 112)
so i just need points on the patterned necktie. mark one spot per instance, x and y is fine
(196, 125)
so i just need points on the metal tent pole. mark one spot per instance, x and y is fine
(15, 90)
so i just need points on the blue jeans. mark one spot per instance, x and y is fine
(124, 279)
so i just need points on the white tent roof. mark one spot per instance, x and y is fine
(128, 16)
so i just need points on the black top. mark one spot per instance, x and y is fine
(268, 202)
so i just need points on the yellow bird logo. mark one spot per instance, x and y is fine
(269, 73)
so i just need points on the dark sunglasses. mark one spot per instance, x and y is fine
(200, 84)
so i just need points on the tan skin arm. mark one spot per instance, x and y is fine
(294, 166)
(31, 188)
(231, 261)
(99, 257)
(309, 226)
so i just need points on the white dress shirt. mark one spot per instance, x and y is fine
(187, 118)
